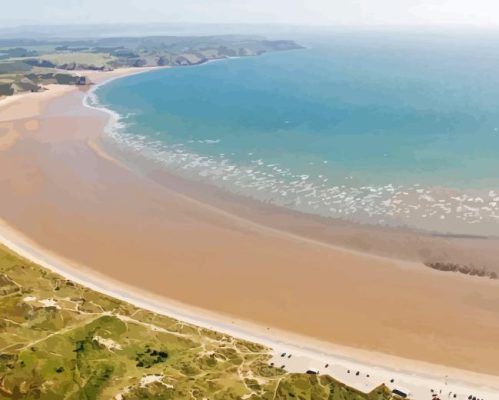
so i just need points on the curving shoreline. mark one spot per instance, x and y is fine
(476, 252)
(224, 152)
(307, 353)
(270, 236)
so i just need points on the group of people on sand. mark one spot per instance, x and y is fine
(471, 397)
(450, 395)
(434, 396)
(282, 355)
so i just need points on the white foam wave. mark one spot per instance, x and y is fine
(389, 204)
(438, 209)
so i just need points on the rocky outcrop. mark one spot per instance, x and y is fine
(463, 269)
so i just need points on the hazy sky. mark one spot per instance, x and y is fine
(306, 12)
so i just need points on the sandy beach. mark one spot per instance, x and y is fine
(363, 370)
(72, 202)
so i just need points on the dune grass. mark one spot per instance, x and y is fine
(60, 340)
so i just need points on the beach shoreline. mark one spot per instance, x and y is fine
(376, 240)
(230, 223)
(466, 251)
(308, 353)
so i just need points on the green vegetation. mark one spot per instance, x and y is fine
(38, 58)
(59, 340)
(65, 59)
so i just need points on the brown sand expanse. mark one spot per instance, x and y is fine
(56, 189)
(399, 243)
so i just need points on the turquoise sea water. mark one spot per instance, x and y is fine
(389, 129)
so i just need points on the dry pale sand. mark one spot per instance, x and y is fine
(69, 199)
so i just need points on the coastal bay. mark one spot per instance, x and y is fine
(92, 211)
(367, 135)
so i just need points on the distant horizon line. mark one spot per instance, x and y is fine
(335, 25)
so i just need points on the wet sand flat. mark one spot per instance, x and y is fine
(57, 190)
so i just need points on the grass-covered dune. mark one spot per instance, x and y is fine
(59, 340)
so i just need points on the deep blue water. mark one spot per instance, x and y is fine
(379, 128)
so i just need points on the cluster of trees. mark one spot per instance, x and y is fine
(17, 52)
(463, 269)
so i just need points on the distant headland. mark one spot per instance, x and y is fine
(27, 65)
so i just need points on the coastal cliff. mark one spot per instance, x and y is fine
(23, 70)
